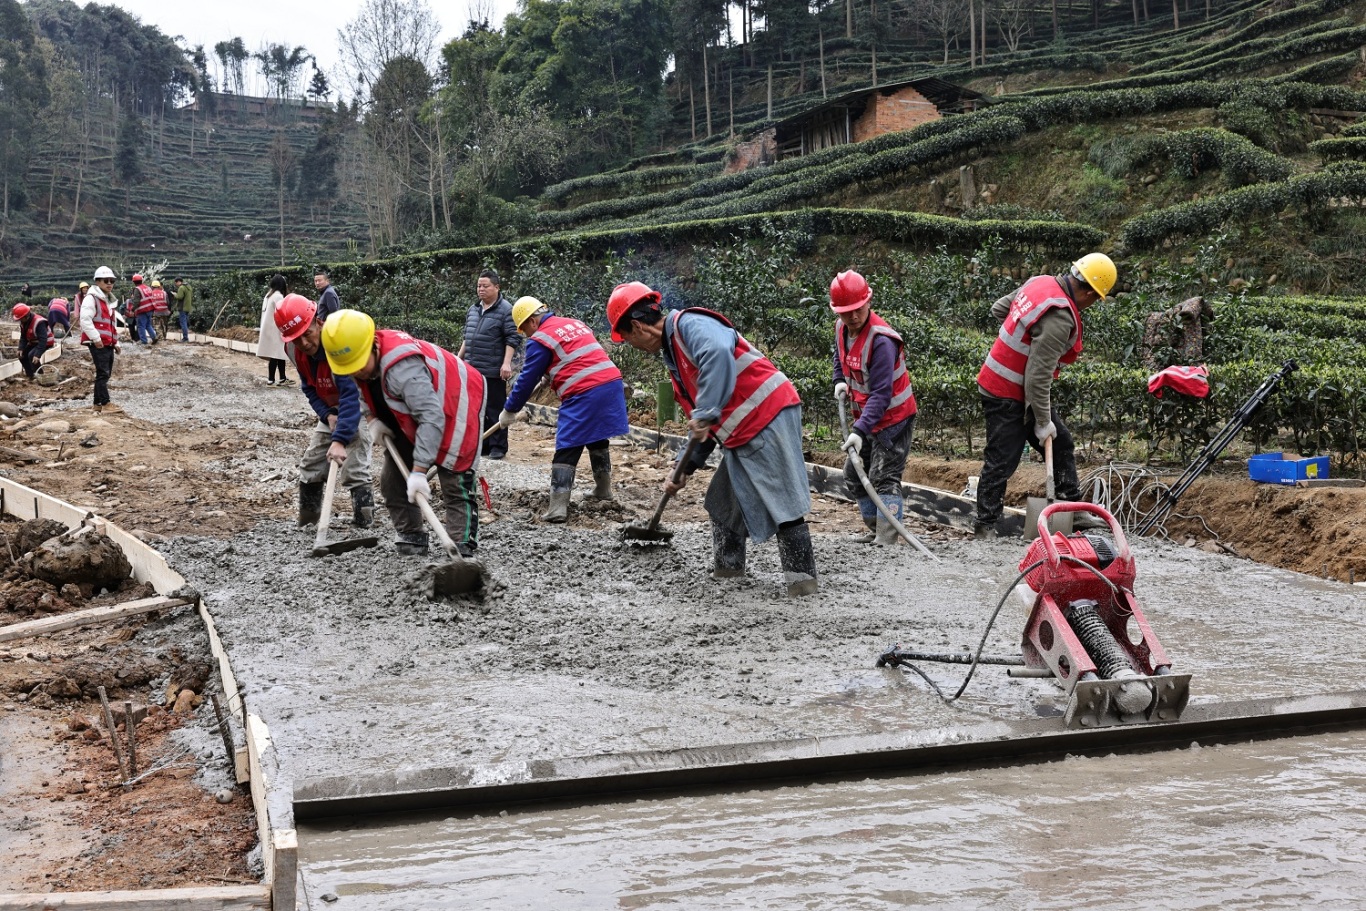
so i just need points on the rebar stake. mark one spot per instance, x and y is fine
(128, 725)
(113, 734)
(227, 734)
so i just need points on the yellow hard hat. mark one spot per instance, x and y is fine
(1097, 270)
(524, 308)
(85, 285)
(348, 336)
(156, 283)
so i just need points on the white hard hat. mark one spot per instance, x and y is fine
(103, 272)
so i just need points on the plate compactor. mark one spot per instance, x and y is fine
(1087, 628)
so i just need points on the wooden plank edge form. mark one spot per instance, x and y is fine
(91, 617)
(274, 817)
(207, 898)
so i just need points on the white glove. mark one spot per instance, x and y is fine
(1045, 431)
(854, 444)
(506, 418)
(841, 391)
(379, 432)
(418, 486)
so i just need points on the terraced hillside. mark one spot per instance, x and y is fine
(204, 210)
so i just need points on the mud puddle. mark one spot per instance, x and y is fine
(1275, 824)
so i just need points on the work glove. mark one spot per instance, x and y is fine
(418, 486)
(379, 432)
(856, 442)
(841, 391)
(1045, 431)
(506, 418)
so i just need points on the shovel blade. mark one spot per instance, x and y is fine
(458, 577)
(342, 547)
(1058, 522)
(642, 534)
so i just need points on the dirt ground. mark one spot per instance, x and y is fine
(203, 449)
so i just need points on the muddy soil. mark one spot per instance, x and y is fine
(582, 645)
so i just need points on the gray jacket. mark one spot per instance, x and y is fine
(488, 333)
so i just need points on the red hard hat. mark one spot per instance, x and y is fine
(137, 278)
(623, 297)
(294, 315)
(20, 311)
(849, 291)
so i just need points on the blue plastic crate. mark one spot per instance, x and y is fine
(1276, 468)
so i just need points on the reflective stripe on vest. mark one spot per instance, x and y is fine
(853, 363)
(30, 333)
(156, 297)
(104, 321)
(577, 362)
(459, 387)
(317, 374)
(1003, 373)
(761, 389)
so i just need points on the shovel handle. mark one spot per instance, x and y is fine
(328, 494)
(677, 476)
(1049, 489)
(424, 504)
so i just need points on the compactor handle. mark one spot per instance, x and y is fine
(1054, 558)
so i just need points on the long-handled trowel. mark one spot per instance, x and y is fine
(1057, 521)
(320, 546)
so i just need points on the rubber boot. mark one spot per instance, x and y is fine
(601, 460)
(362, 506)
(868, 512)
(887, 535)
(561, 486)
(416, 546)
(310, 502)
(798, 559)
(728, 552)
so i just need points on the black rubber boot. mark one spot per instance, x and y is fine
(601, 460)
(310, 502)
(561, 487)
(362, 506)
(728, 552)
(798, 559)
(417, 547)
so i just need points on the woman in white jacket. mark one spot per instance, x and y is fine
(270, 346)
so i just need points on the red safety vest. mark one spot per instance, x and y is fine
(577, 361)
(58, 304)
(30, 332)
(854, 357)
(316, 374)
(761, 389)
(1003, 373)
(104, 321)
(459, 385)
(153, 301)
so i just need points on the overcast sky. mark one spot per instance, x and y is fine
(312, 23)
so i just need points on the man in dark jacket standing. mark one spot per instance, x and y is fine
(328, 302)
(490, 344)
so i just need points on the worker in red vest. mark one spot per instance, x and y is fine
(1040, 331)
(736, 397)
(340, 435)
(592, 398)
(59, 314)
(870, 370)
(35, 337)
(431, 404)
(100, 335)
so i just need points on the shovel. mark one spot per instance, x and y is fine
(1058, 521)
(651, 533)
(459, 576)
(320, 546)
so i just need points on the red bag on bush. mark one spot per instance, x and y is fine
(1193, 381)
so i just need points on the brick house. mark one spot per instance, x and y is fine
(865, 113)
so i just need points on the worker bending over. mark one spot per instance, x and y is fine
(734, 396)
(340, 436)
(1040, 331)
(870, 370)
(35, 337)
(592, 398)
(431, 404)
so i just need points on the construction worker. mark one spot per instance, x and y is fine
(35, 337)
(161, 309)
(81, 291)
(340, 436)
(1041, 330)
(140, 308)
(99, 333)
(59, 314)
(734, 396)
(184, 304)
(870, 370)
(431, 404)
(491, 344)
(592, 398)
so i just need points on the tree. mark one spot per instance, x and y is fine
(1013, 21)
(23, 92)
(233, 55)
(128, 150)
(280, 68)
(383, 31)
(318, 87)
(282, 158)
(943, 18)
